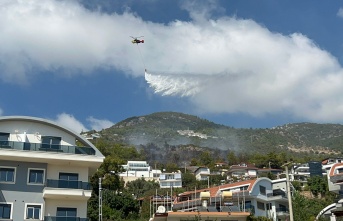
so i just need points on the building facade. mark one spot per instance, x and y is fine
(261, 197)
(44, 174)
(170, 180)
(134, 170)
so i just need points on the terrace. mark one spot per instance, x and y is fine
(15, 145)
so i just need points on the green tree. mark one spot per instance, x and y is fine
(206, 159)
(306, 209)
(139, 187)
(188, 181)
(232, 159)
(318, 185)
(296, 185)
(194, 162)
(120, 205)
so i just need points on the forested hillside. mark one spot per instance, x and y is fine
(178, 137)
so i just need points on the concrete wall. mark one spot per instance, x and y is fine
(51, 206)
(20, 193)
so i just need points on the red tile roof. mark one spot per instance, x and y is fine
(332, 171)
(213, 190)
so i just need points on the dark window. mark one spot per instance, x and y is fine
(33, 211)
(7, 174)
(5, 211)
(51, 142)
(4, 138)
(247, 204)
(36, 176)
(262, 190)
(69, 180)
(66, 212)
(282, 207)
(260, 205)
(69, 176)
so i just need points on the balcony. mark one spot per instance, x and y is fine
(67, 189)
(60, 218)
(69, 184)
(46, 147)
(337, 178)
(282, 212)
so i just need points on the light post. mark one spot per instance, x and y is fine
(100, 200)
(289, 196)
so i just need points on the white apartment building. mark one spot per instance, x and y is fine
(139, 169)
(44, 174)
(170, 180)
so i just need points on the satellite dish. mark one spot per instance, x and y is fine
(161, 209)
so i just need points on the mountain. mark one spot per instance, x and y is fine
(165, 129)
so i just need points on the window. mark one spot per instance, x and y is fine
(247, 204)
(5, 210)
(262, 190)
(162, 176)
(4, 138)
(51, 142)
(260, 205)
(7, 174)
(36, 176)
(68, 180)
(33, 211)
(66, 212)
(69, 176)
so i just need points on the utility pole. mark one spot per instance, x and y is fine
(289, 196)
(100, 200)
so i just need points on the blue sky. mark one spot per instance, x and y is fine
(241, 63)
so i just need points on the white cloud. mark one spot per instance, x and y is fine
(69, 121)
(340, 12)
(224, 65)
(98, 125)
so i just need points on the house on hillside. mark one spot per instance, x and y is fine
(44, 174)
(335, 183)
(261, 197)
(170, 180)
(134, 170)
(266, 171)
(242, 171)
(202, 173)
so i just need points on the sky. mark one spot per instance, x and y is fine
(240, 63)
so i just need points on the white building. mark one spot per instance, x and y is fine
(261, 197)
(242, 171)
(335, 183)
(170, 180)
(43, 173)
(202, 173)
(139, 169)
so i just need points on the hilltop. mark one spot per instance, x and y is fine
(162, 130)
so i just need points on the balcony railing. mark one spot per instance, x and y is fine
(337, 178)
(67, 218)
(282, 210)
(69, 184)
(46, 147)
